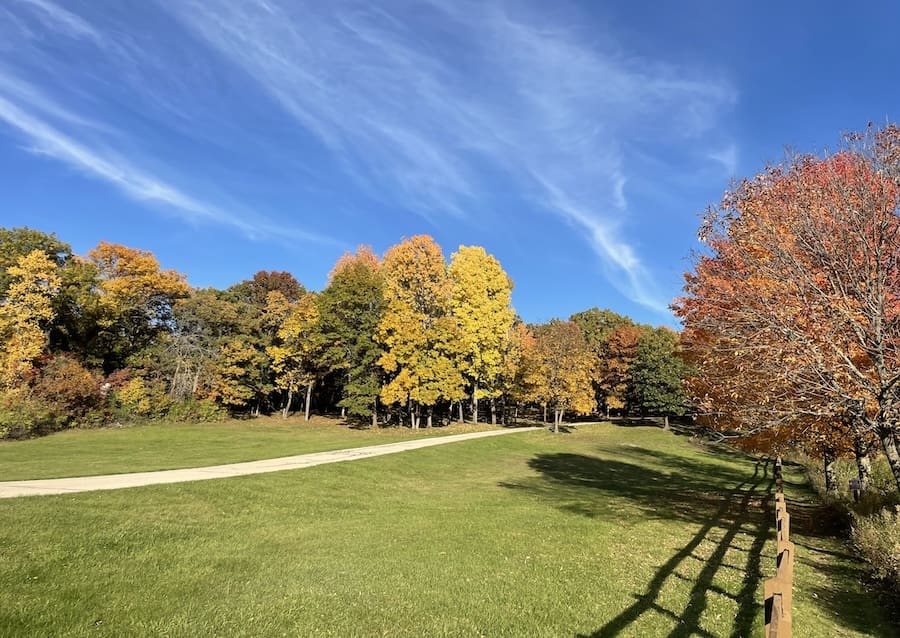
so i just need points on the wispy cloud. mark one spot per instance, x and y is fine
(62, 20)
(420, 108)
(429, 106)
(44, 139)
(66, 104)
(727, 157)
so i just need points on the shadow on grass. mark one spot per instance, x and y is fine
(846, 601)
(726, 501)
(634, 422)
(695, 492)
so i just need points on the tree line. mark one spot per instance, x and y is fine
(405, 338)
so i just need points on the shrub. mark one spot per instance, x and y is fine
(143, 397)
(71, 391)
(877, 538)
(882, 489)
(23, 415)
(874, 521)
(197, 411)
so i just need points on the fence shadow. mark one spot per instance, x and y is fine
(694, 492)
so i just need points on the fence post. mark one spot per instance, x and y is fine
(778, 591)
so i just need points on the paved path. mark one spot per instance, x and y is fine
(11, 489)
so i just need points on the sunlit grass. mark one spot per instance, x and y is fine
(165, 445)
(604, 531)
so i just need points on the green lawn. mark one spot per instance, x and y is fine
(165, 446)
(606, 531)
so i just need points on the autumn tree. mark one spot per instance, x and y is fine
(136, 297)
(233, 380)
(597, 326)
(80, 319)
(350, 308)
(480, 302)
(420, 336)
(255, 333)
(802, 270)
(566, 364)
(20, 242)
(256, 290)
(296, 351)
(25, 314)
(521, 377)
(614, 372)
(205, 325)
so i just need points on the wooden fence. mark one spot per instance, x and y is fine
(778, 589)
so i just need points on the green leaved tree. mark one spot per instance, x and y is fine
(350, 308)
(657, 375)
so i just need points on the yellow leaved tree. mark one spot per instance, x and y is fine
(25, 314)
(480, 302)
(136, 299)
(420, 336)
(567, 365)
(298, 342)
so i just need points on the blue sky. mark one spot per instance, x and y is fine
(577, 142)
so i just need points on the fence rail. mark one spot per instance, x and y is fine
(778, 590)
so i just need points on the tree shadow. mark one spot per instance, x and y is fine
(847, 602)
(714, 496)
(634, 422)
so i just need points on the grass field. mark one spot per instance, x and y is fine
(165, 446)
(605, 531)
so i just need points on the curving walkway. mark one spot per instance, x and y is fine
(12, 489)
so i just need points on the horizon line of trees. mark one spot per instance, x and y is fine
(403, 339)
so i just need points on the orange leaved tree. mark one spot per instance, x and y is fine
(794, 312)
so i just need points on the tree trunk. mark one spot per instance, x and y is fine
(493, 411)
(287, 404)
(666, 423)
(343, 412)
(828, 459)
(461, 416)
(863, 462)
(545, 413)
(172, 387)
(308, 398)
(430, 414)
(890, 451)
(475, 403)
(556, 420)
(896, 431)
(375, 413)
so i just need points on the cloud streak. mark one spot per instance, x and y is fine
(455, 111)
(62, 20)
(48, 83)
(421, 108)
(727, 157)
(44, 139)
